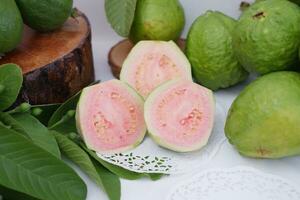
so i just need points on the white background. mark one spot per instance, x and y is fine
(104, 37)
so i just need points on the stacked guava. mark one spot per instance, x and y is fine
(112, 116)
(156, 91)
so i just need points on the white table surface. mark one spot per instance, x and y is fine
(104, 37)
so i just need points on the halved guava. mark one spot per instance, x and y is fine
(151, 63)
(179, 115)
(110, 117)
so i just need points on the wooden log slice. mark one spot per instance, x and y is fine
(120, 51)
(55, 65)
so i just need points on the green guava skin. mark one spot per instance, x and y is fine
(263, 121)
(209, 49)
(157, 20)
(267, 36)
(294, 1)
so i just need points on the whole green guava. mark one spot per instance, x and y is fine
(157, 20)
(267, 36)
(263, 121)
(209, 49)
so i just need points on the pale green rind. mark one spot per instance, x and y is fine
(267, 36)
(209, 49)
(80, 108)
(11, 26)
(263, 121)
(152, 130)
(157, 20)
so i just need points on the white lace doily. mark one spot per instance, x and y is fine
(150, 158)
(235, 184)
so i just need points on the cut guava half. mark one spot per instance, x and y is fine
(179, 115)
(110, 117)
(151, 63)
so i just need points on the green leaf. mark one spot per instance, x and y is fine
(102, 177)
(44, 112)
(9, 194)
(29, 169)
(120, 15)
(57, 117)
(38, 133)
(11, 79)
(8, 121)
(111, 182)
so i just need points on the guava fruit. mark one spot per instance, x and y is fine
(157, 20)
(179, 115)
(209, 49)
(294, 1)
(45, 15)
(266, 38)
(263, 122)
(151, 63)
(11, 26)
(110, 117)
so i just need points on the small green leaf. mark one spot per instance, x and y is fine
(120, 15)
(29, 169)
(111, 182)
(63, 110)
(44, 112)
(11, 79)
(104, 178)
(38, 133)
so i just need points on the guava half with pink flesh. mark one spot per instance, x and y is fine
(179, 115)
(151, 63)
(110, 117)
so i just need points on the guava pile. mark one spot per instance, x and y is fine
(263, 121)
(155, 93)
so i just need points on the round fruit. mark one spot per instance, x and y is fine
(179, 115)
(110, 117)
(157, 20)
(11, 26)
(151, 63)
(263, 121)
(209, 49)
(267, 36)
(45, 15)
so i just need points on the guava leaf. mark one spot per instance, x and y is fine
(110, 181)
(9, 194)
(11, 79)
(44, 112)
(102, 177)
(38, 133)
(70, 104)
(8, 121)
(119, 171)
(120, 15)
(29, 169)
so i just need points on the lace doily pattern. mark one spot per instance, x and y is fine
(235, 184)
(150, 158)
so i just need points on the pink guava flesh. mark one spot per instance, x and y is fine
(151, 63)
(179, 115)
(110, 117)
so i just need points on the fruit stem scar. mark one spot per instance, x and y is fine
(259, 15)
